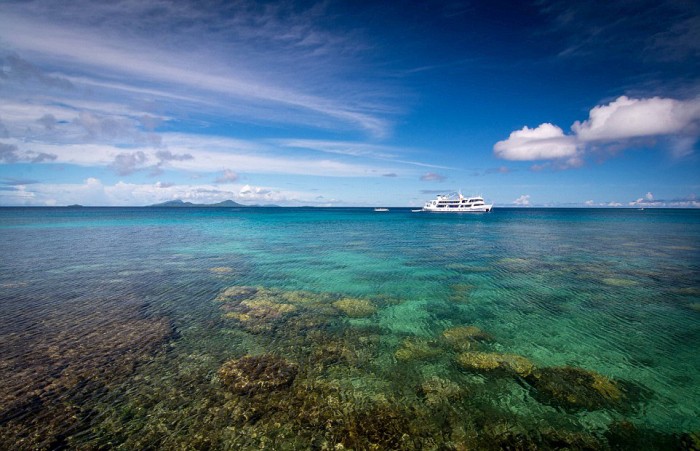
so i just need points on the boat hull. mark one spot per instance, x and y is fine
(480, 209)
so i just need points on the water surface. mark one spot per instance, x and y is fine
(329, 328)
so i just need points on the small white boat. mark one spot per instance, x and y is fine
(456, 203)
(381, 209)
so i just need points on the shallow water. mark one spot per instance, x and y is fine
(129, 327)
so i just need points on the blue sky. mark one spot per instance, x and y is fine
(338, 103)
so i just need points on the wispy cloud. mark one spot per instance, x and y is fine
(356, 149)
(432, 177)
(228, 176)
(191, 153)
(234, 64)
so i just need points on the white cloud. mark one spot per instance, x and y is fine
(621, 122)
(544, 142)
(523, 200)
(649, 201)
(627, 118)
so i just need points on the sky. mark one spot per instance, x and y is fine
(350, 103)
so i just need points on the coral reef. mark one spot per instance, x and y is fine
(576, 388)
(464, 337)
(251, 374)
(222, 270)
(258, 309)
(414, 348)
(237, 293)
(356, 308)
(492, 361)
(52, 376)
(437, 390)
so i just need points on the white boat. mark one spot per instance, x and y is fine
(456, 203)
(381, 209)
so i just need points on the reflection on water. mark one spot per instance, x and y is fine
(343, 329)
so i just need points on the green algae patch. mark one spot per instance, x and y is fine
(252, 374)
(356, 308)
(417, 349)
(575, 388)
(464, 337)
(492, 362)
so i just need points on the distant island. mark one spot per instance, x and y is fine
(224, 204)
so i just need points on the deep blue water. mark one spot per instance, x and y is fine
(537, 327)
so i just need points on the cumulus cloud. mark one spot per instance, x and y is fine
(523, 200)
(126, 163)
(649, 201)
(627, 118)
(616, 125)
(545, 142)
(432, 177)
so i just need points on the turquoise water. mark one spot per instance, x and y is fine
(345, 328)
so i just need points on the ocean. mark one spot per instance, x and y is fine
(310, 328)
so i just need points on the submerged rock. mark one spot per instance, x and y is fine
(437, 390)
(575, 388)
(252, 374)
(356, 308)
(237, 293)
(463, 337)
(492, 361)
(417, 349)
(507, 436)
(221, 270)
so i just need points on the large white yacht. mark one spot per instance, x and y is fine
(456, 203)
